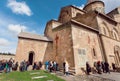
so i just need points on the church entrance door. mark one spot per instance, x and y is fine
(31, 58)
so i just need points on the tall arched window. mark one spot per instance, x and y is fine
(104, 30)
(115, 35)
(94, 53)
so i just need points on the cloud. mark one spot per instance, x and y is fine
(81, 7)
(4, 42)
(33, 31)
(111, 4)
(19, 7)
(6, 49)
(16, 28)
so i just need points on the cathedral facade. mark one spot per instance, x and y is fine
(78, 36)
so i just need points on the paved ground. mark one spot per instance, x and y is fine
(112, 76)
(93, 77)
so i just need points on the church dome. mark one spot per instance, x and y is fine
(92, 5)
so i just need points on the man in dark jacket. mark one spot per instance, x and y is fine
(107, 67)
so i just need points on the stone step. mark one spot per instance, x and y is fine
(71, 70)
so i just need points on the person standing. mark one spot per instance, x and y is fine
(34, 66)
(46, 65)
(113, 66)
(107, 67)
(54, 66)
(40, 65)
(6, 69)
(10, 65)
(99, 67)
(16, 66)
(27, 65)
(88, 68)
(66, 68)
(51, 66)
(103, 67)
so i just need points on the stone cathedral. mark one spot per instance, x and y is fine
(78, 36)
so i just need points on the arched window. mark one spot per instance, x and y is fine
(94, 53)
(104, 31)
(115, 35)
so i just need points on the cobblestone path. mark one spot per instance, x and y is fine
(92, 77)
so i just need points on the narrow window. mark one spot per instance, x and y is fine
(94, 53)
(115, 36)
(104, 30)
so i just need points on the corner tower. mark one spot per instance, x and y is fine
(93, 5)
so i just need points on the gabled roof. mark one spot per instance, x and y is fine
(32, 36)
(106, 16)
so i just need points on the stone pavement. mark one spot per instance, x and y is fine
(93, 77)
(113, 76)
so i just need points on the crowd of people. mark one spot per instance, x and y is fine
(99, 67)
(24, 65)
(52, 66)
(8, 65)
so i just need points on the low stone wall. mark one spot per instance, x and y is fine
(6, 57)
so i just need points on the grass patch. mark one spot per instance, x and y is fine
(26, 76)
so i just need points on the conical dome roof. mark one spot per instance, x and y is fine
(92, 1)
(92, 5)
(89, 1)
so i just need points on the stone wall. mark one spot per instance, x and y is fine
(88, 19)
(6, 57)
(49, 26)
(109, 26)
(84, 41)
(63, 47)
(109, 46)
(25, 46)
(65, 15)
(69, 12)
(76, 11)
(49, 56)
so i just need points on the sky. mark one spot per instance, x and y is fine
(32, 16)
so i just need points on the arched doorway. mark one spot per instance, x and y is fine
(31, 57)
